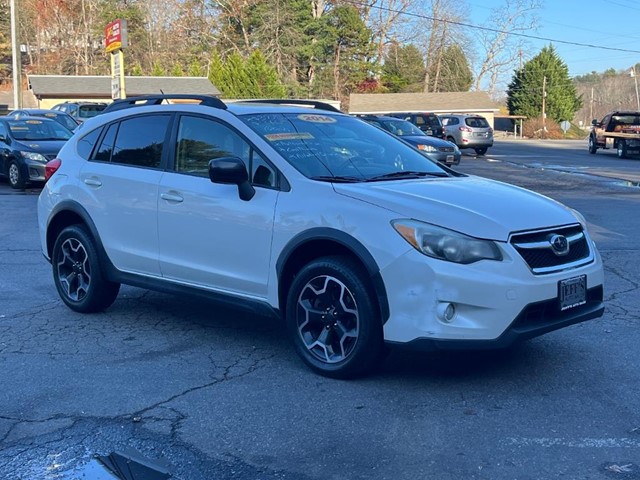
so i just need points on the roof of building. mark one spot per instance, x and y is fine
(93, 86)
(444, 102)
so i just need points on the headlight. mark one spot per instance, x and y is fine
(36, 157)
(427, 148)
(444, 244)
(580, 218)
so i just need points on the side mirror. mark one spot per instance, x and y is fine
(594, 122)
(232, 171)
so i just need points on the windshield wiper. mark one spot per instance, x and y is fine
(337, 179)
(404, 174)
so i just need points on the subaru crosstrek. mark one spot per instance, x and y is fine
(350, 235)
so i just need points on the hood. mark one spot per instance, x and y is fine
(45, 147)
(471, 205)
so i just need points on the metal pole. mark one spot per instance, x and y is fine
(635, 78)
(544, 101)
(15, 56)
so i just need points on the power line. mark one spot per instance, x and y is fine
(487, 29)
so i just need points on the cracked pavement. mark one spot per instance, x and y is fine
(220, 394)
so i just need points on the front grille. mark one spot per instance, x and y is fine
(548, 312)
(536, 249)
(446, 149)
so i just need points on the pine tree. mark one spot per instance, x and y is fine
(545, 70)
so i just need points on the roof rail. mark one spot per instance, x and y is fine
(145, 100)
(298, 102)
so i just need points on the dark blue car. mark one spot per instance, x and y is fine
(26, 145)
(60, 117)
(435, 148)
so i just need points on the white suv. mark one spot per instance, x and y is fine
(349, 234)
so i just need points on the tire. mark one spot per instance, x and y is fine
(78, 274)
(333, 318)
(593, 147)
(622, 149)
(480, 151)
(15, 176)
(452, 140)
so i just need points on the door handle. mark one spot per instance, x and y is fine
(172, 197)
(93, 182)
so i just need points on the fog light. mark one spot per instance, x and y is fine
(446, 311)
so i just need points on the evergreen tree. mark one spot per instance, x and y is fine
(195, 68)
(456, 73)
(403, 69)
(525, 92)
(177, 71)
(157, 70)
(263, 78)
(136, 70)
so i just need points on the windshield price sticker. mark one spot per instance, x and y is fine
(316, 118)
(274, 137)
(33, 122)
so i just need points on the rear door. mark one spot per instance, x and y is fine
(121, 182)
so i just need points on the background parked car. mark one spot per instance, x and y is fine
(434, 148)
(429, 123)
(81, 110)
(26, 145)
(468, 131)
(59, 116)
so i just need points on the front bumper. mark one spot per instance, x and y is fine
(34, 170)
(496, 303)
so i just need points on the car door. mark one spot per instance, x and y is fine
(5, 148)
(209, 236)
(121, 185)
(600, 129)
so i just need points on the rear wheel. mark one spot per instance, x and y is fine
(481, 151)
(16, 178)
(78, 274)
(593, 148)
(333, 319)
(622, 149)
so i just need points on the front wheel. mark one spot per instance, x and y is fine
(78, 274)
(333, 319)
(593, 148)
(16, 178)
(481, 151)
(622, 149)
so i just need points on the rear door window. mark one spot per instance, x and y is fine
(140, 141)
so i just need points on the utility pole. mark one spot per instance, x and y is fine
(15, 56)
(544, 103)
(632, 72)
(591, 106)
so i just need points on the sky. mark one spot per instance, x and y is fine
(611, 23)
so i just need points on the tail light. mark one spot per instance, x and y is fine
(51, 167)
(490, 130)
(465, 129)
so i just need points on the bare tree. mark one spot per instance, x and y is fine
(500, 48)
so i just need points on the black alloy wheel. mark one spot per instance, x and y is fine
(480, 151)
(77, 272)
(333, 318)
(622, 148)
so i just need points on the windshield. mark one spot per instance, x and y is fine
(402, 128)
(338, 147)
(61, 118)
(34, 129)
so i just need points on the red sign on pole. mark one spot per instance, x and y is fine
(115, 35)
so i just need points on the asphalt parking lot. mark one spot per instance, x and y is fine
(215, 393)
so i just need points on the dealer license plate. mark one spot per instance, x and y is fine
(429, 132)
(449, 159)
(572, 292)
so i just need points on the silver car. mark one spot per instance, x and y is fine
(468, 131)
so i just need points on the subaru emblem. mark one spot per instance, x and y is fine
(559, 244)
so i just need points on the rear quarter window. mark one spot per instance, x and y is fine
(87, 143)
